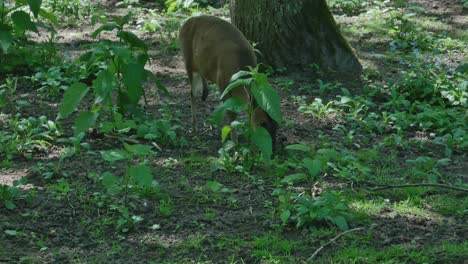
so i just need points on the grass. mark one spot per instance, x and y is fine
(445, 253)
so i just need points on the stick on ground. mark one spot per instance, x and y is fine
(420, 185)
(331, 241)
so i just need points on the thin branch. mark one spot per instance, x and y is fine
(420, 185)
(71, 205)
(127, 140)
(331, 241)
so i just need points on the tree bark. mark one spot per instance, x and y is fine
(294, 34)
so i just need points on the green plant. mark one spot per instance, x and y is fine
(70, 9)
(185, 5)
(119, 67)
(264, 97)
(270, 245)
(165, 129)
(8, 194)
(406, 35)
(167, 28)
(15, 20)
(137, 181)
(7, 91)
(24, 136)
(166, 207)
(137, 177)
(60, 189)
(54, 80)
(76, 143)
(215, 190)
(235, 158)
(425, 168)
(325, 87)
(303, 209)
(46, 170)
(317, 108)
(324, 160)
(348, 7)
(285, 83)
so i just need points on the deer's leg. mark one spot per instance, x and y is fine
(205, 90)
(196, 85)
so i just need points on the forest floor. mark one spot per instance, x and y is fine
(384, 133)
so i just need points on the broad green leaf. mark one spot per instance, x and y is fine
(85, 120)
(268, 99)
(6, 39)
(11, 232)
(313, 166)
(114, 155)
(214, 186)
(344, 100)
(133, 78)
(35, 6)
(329, 154)
(235, 84)
(109, 180)
(123, 54)
(138, 149)
(342, 207)
(121, 21)
(111, 183)
(158, 83)
(49, 16)
(233, 104)
(9, 205)
(225, 131)
(103, 85)
(141, 174)
(46, 26)
(285, 216)
(299, 147)
(132, 39)
(240, 75)
(22, 21)
(105, 27)
(72, 98)
(262, 139)
(341, 222)
(14, 191)
(293, 178)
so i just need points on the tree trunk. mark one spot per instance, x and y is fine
(294, 33)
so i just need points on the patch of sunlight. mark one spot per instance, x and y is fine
(409, 207)
(369, 207)
(157, 239)
(434, 25)
(9, 176)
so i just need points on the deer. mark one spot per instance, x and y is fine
(214, 50)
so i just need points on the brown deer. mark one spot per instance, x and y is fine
(214, 50)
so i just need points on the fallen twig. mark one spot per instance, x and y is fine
(71, 205)
(127, 140)
(331, 241)
(419, 185)
(156, 146)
